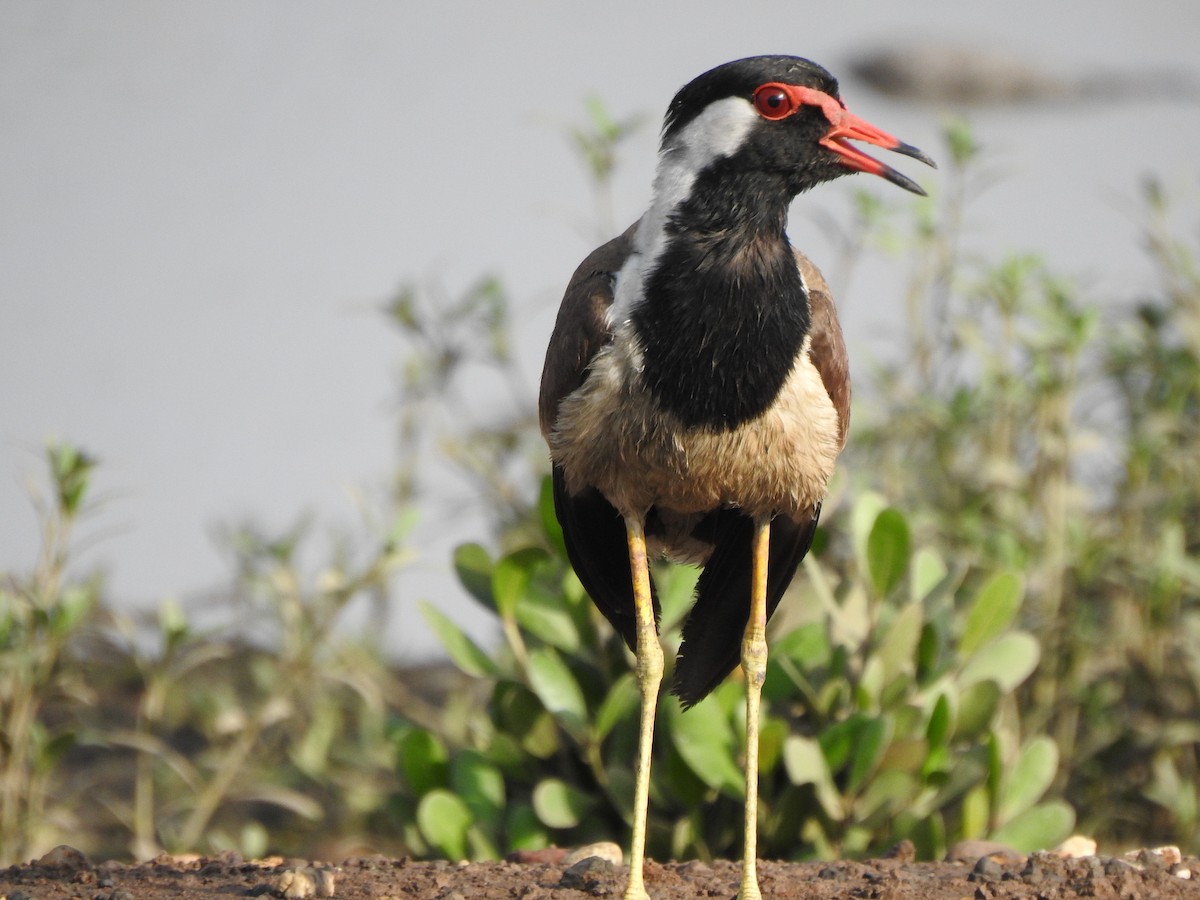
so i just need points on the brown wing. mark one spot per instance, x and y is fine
(593, 531)
(827, 350)
(581, 329)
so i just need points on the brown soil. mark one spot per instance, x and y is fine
(1041, 876)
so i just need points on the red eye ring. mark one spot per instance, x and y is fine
(774, 101)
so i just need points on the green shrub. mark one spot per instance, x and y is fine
(888, 715)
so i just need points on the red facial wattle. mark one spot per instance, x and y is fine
(776, 101)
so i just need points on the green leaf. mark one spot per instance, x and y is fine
(311, 752)
(443, 820)
(473, 565)
(620, 701)
(173, 623)
(525, 831)
(995, 768)
(558, 804)
(807, 645)
(479, 844)
(676, 591)
(976, 707)
(74, 603)
(975, 812)
(511, 577)
(800, 651)
(837, 741)
(1029, 777)
(926, 573)
(772, 733)
(888, 793)
(54, 749)
(1171, 790)
(557, 688)
(994, 609)
(543, 612)
(464, 652)
(480, 785)
(929, 652)
(898, 651)
(704, 739)
(871, 740)
(423, 761)
(870, 684)
(941, 722)
(929, 834)
(865, 511)
(523, 717)
(937, 765)
(71, 469)
(805, 764)
(1008, 661)
(887, 551)
(1042, 827)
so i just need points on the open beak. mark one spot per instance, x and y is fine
(848, 127)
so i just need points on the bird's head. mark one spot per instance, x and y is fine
(777, 116)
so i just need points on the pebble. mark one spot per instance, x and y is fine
(600, 850)
(970, 851)
(1033, 874)
(296, 884)
(1157, 857)
(587, 874)
(1119, 867)
(986, 869)
(904, 851)
(65, 857)
(1076, 847)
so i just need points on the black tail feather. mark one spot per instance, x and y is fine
(594, 533)
(712, 634)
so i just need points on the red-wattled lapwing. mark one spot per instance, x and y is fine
(696, 394)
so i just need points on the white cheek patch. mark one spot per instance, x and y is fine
(716, 133)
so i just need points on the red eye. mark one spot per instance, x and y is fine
(774, 102)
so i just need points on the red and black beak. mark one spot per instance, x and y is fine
(776, 101)
(846, 127)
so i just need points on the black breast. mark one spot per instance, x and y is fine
(721, 326)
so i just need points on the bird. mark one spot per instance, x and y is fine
(695, 392)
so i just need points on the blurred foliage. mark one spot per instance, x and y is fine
(39, 617)
(996, 635)
(890, 714)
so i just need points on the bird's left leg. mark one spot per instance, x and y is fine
(649, 676)
(754, 665)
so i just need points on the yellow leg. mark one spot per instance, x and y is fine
(754, 664)
(649, 676)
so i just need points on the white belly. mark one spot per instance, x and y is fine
(610, 434)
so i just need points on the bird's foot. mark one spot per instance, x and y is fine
(749, 891)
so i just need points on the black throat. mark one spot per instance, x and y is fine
(724, 313)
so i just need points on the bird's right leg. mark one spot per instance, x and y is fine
(754, 664)
(649, 676)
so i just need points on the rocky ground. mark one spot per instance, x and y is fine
(973, 870)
